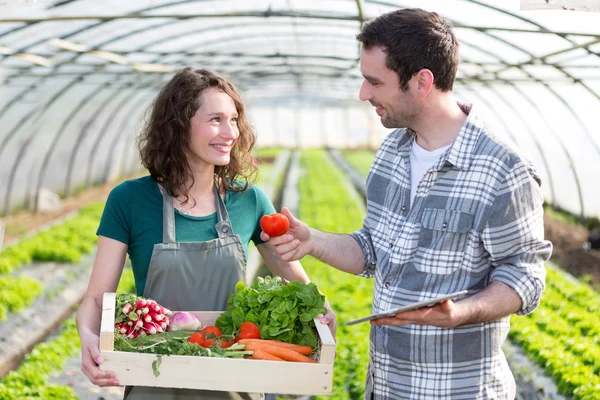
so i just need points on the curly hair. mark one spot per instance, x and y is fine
(165, 137)
(414, 39)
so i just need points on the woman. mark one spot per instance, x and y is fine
(187, 226)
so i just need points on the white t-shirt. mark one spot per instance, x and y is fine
(420, 162)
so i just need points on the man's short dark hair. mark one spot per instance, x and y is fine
(414, 39)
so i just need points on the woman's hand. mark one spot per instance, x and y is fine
(330, 319)
(91, 359)
(294, 244)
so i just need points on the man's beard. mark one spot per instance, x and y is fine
(398, 121)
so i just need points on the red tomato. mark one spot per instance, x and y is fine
(248, 331)
(227, 343)
(197, 338)
(274, 224)
(206, 337)
(211, 332)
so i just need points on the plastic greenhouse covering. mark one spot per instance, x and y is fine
(77, 76)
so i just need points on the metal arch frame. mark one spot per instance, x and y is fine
(540, 81)
(574, 46)
(142, 103)
(104, 43)
(129, 33)
(28, 141)
(58, 134)
(100, 136)
(23, 150)
(83, 132)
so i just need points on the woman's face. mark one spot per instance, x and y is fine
(213, 129)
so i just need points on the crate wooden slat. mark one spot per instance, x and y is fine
(226, 374)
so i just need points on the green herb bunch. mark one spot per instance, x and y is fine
(282, 311)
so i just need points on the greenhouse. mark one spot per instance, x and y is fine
(79, 79)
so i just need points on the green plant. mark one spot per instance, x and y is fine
(326, 205)
(30, 380)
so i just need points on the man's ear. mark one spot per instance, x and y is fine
(424, 80)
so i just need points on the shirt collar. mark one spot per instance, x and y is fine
(460, 154)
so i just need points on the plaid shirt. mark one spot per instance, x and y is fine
(477, 217)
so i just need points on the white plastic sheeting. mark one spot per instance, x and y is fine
(77, 75)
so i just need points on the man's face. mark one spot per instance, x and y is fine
(381, 87)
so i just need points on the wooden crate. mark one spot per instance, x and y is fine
(211, 373)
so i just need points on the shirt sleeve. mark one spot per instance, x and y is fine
(514, 236)
(263, 207)
(363, 238)
(116, 217)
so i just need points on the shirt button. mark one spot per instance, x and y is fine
(387, 285)
(444, 225)
(403, 208)
(391, 245)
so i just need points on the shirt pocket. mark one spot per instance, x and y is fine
(442, 240)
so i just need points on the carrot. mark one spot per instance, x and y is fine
(305, 350)
(263, 355)
(281, 352)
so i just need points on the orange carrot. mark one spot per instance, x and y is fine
(281, 352)
(305, 350)
(263, 355)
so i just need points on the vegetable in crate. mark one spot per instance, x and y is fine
(136, 316)
(183, 320)
(282, 312)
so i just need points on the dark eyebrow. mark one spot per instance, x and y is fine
(220, 113)
(371, 78)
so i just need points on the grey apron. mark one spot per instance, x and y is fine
(197, 276)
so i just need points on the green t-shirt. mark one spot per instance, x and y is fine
(133, 215)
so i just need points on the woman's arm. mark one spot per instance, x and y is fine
(289, 270)
(106, 273)
(292, 270)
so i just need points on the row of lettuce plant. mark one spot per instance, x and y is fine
(360, 160)
(32, 379)
(326, 205)
(562, 335)
(66, 242)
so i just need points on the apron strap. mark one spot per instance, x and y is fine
(223, 226)
(168, 217)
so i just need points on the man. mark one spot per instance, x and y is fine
(450, 207)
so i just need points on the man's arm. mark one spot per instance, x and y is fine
(340, 251)
(494, 302)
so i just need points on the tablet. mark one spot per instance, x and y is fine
(414, 306)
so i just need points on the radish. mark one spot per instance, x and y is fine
(141, 303)
(150, 329)
(126, 308)
(156, 317)
(137, 316)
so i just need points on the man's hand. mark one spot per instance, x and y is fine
(444, 314)
(294, 244)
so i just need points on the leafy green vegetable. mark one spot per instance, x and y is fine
(282, 312)
(175, 343)
(156, 364)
